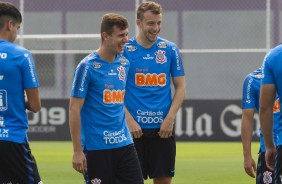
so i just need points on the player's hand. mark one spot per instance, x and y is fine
(270, 158)
(135, 129)
(79, 162)
(250, 166)
(166, 128)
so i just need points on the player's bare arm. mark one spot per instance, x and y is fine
(179, 95)
(134, 127)
(267, 96)
(246, 135)
(32, 99)
(79, 160)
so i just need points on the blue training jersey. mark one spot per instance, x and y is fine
(250, 100)
(102, 85)
(272, 70)
(17, 73)
(148, 93)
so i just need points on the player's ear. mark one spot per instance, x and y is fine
(138, 22)
(105, 35)
(9, 24)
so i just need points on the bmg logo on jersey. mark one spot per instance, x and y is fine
(3, 100)
(150, 79)
(113, 96)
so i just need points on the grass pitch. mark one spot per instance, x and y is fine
(196, 162)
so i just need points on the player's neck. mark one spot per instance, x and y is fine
(106, 55)
(144, 42)
(4, 36)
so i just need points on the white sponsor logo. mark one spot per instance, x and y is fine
(4, 133)
(249, 91)
(3, 100)
(259, 76)
(162, 45)
(122, 60)
(131, 48)
(3, 55)
(30, 67)
(177, 58)
(1, 77)
(2, 122)
(114, 137)
(112, 72)
(149, 116)
(147, 57)
(83, 78)
(97, 65)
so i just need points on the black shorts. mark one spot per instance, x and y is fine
(17, 165)
(264, 174)
(113, 166)
(156, 155)
(278, 166)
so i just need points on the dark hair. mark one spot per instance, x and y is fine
(110, 20)
(8, 10)
(152, 6)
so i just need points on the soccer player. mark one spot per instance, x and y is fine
(250, 103)
(271, 83)
(108, 154)
(151, 111)
(18, 92)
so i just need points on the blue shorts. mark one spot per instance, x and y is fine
(113, 166)
(156, 155)
(17, 165)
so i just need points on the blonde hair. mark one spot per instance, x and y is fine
(152, 6)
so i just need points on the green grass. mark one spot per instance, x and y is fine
(196, 162)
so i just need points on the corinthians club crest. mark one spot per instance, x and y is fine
(121, 73)
(160, 56)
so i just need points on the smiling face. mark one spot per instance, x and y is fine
(149, 26)
(116, 41)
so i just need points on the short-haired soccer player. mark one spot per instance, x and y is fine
(151, 110)
(18, 92)
(108, 155)
(250, 104)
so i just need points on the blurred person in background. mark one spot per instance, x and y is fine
(18, 92)
(271, 84)
(250, 104)
(96, 111)
(150, 108)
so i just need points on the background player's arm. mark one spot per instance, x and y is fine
(79, 160)
(32, 99)
(134, 127)
(267, 96)
(179, 95)
(246, 135)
